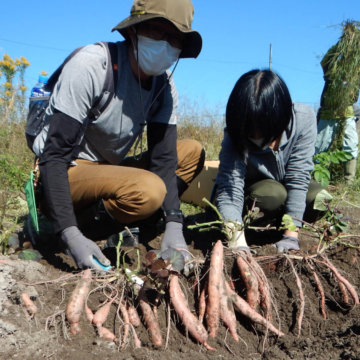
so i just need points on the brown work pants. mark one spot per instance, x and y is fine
(130, 192)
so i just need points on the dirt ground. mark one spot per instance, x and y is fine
(50, 281)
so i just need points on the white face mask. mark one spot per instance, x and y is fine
(258, 143)
(155, 56)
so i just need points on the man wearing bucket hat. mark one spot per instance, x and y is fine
(91, 189)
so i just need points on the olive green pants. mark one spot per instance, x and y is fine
(130, 192)
(270, 196)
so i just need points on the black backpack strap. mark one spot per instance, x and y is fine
(110, 82)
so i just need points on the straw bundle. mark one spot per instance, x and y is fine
(341, 66)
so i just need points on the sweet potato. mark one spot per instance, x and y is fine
(125, 316)
(244, 308)
(263, 285)
(227, 313)
(77, 300)
(301, 295)
(133, 316)
(89, 314)
(265, 298)
(202, 303)
(320, 289)
(341, 279)
(189, 320)
(250, 281)
(151, 322)
(102, 313)
(137, 341)
(106, 334)
(29, 304)
(344, 293)
(215, 274)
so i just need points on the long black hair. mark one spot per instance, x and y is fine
(260, 103)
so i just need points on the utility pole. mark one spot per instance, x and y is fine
(270, 56)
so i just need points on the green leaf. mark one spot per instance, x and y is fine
(341, 226)
(29, 254)
(348, 155)
(326, 173)
(344, 156)
(324, 182)
(321, 199)
(318, 176)
(334, 159)
(288, 223)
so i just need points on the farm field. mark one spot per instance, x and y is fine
(50, 281)
(302, 305)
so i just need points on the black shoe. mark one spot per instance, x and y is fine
(96, 223)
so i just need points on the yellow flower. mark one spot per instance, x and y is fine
(8, 93)
(8, 85)
(23, 88)
(24, 61)
(6, 57)
(43, 73)
(17, 62)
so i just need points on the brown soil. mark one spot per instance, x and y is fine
(50, 282)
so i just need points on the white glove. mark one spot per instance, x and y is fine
(237, 240)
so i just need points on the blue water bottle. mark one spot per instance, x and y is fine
(38, 90)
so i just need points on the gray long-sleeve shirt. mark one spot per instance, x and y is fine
(290, 165)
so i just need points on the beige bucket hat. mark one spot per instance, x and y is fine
(178, 12)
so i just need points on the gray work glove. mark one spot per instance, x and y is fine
(83, 250)
(287, 243)
(174, 238)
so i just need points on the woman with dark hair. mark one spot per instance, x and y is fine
(266, 156)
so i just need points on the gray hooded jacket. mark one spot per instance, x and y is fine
(290, 165)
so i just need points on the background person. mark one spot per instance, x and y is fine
(266, 156)
(337, 120)
(90, 190)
